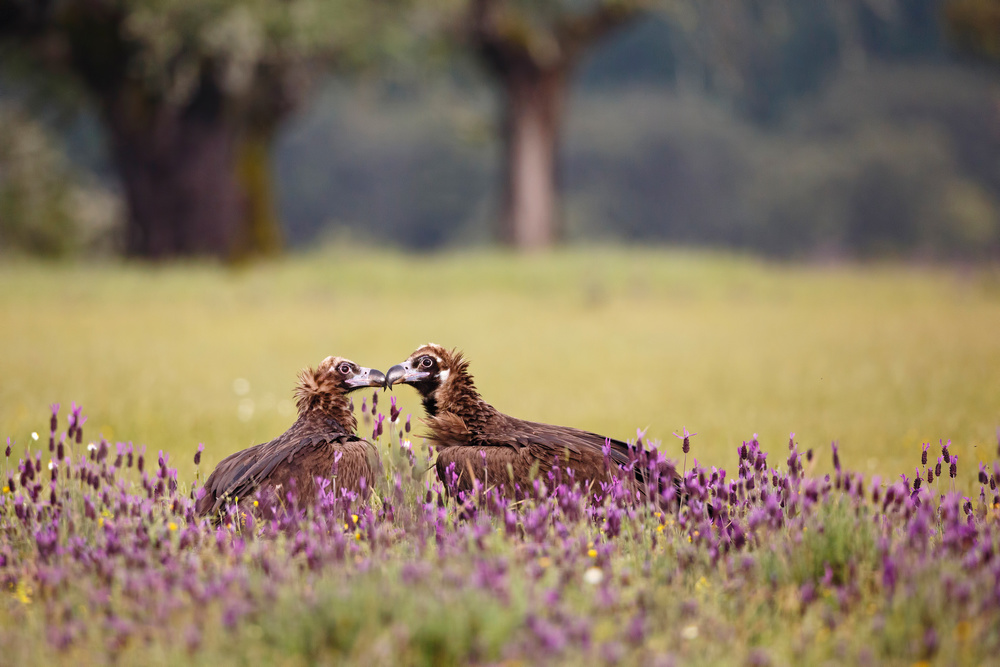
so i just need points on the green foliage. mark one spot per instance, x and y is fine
(840, 547)
(47, 209)
(378, 611)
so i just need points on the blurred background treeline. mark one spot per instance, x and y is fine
(241, 128)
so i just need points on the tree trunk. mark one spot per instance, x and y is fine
(531, 52)
(262, 231)
(179, 173)
(534, 101)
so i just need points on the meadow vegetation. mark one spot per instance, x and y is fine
(880, 358)
(778, 554)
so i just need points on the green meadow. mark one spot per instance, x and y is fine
(879, 357)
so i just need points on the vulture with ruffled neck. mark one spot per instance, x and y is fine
(485, 444)
(308, 449)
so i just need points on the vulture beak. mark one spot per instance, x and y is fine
(404, 373)
(367, 377)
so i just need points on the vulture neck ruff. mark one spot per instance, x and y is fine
(318, 395)
(455, 392)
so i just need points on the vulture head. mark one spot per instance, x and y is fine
(326, 387)
(439, 375)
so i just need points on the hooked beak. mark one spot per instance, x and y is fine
(404, 373)
(367, 377)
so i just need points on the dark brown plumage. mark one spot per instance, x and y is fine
(292, 461)
(464, 428)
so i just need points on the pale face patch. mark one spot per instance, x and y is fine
(444, 374)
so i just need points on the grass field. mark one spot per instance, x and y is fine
(879, 358)
(103, 560)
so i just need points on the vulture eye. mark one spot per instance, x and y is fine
(426, 362)
(345, 369)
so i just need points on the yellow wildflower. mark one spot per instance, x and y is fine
(255, 503)
(23, 593)
(659, 528)
(592, 553)
(172, 526)
(357, 535)
(544, 561)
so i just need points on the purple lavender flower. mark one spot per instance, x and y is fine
(686, 438)
(79, 429)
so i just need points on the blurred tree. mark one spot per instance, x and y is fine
(531, 48)
(975, 25)
(191, 92)
(761, 55)
(47, 207)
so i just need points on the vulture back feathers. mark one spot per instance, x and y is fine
(474, 440)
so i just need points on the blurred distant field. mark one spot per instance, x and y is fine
(877, 357)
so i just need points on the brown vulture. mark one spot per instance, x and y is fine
(498, 449)
(291, 462)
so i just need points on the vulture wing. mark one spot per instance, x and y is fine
(568, 441)
(275, 463)
(514, 445)
(226, 474)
